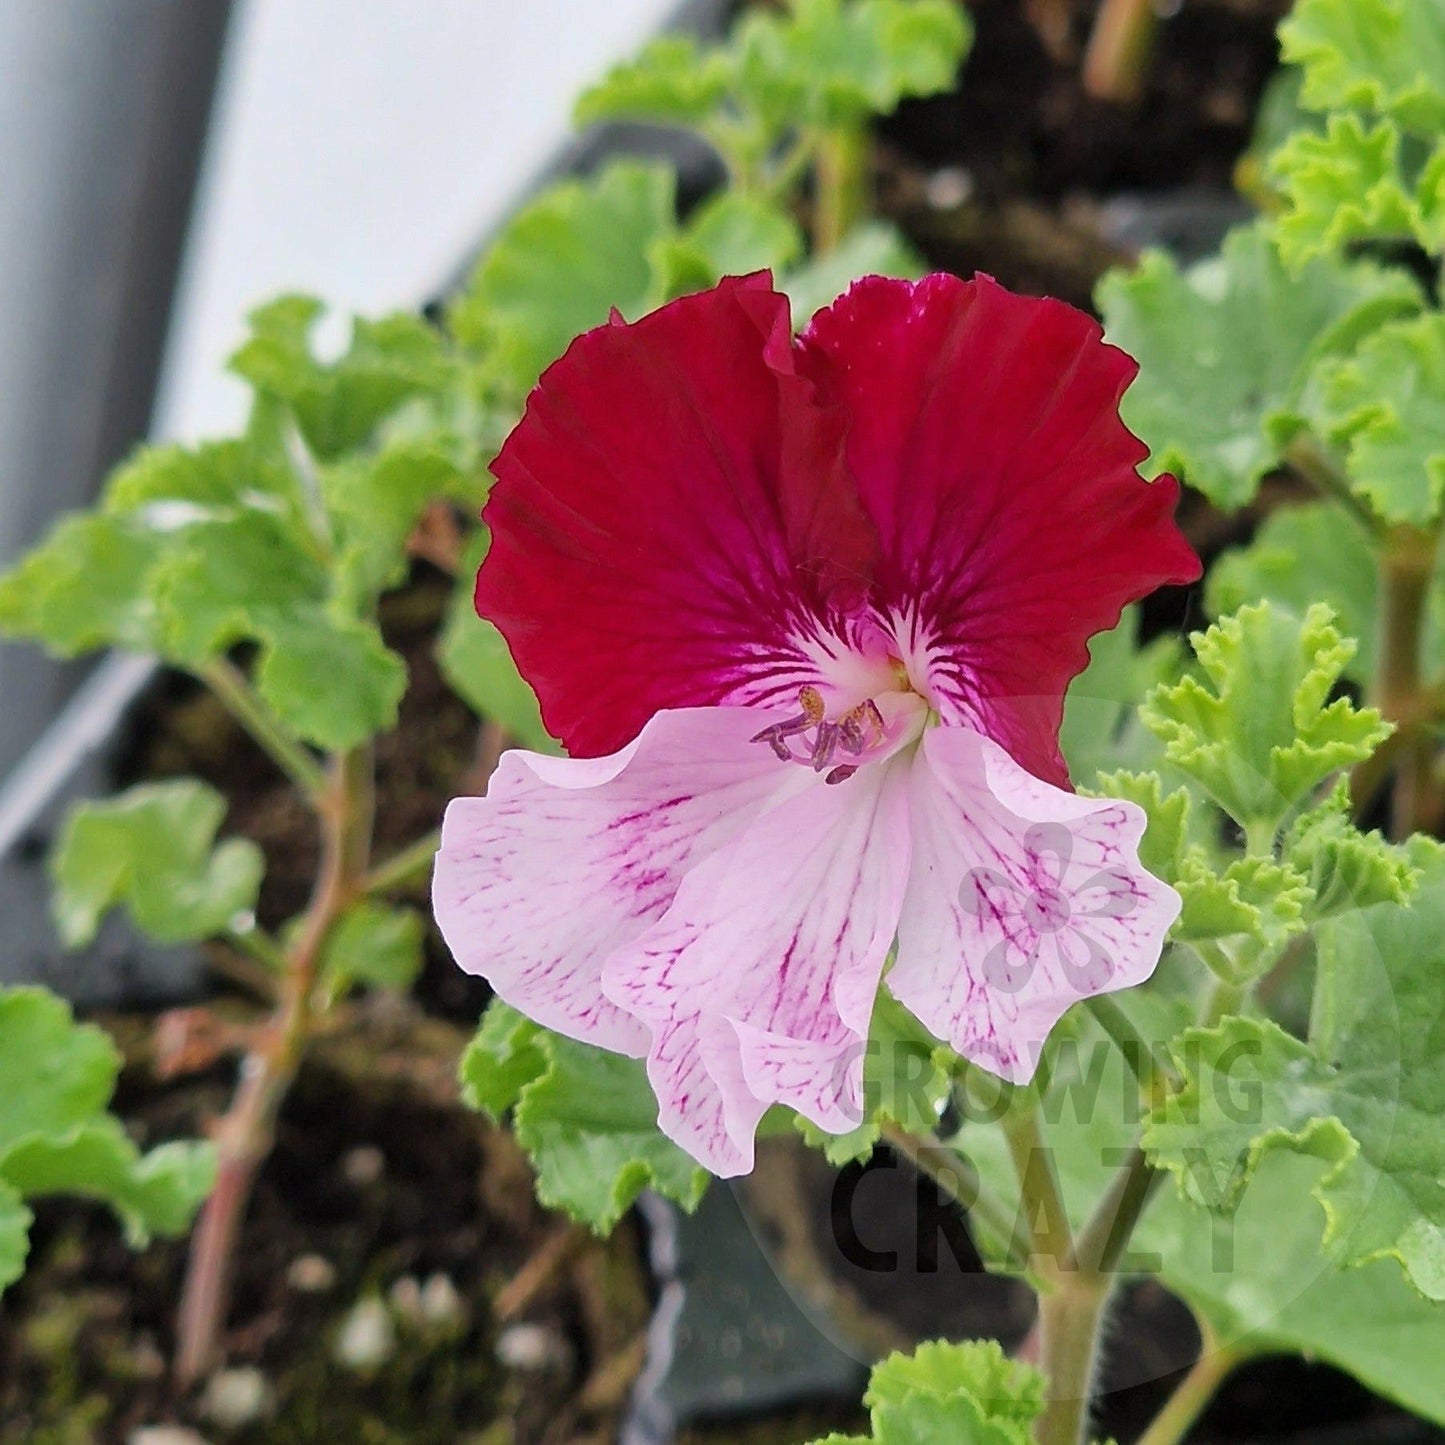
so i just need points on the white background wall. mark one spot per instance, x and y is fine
(361, 147)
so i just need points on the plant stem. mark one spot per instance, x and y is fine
(842, 157)
(1071, 1314)
(245, 1135)
(1407, 565)
(412, 864)
(1039, 1187)
(1148, 1062)
(955, 1176)
(1117, 58)
(1191, 1395)
(233, 688)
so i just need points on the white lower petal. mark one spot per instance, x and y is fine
(782, 935)
(566, 860)
(1022, 899)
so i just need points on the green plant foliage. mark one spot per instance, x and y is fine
(1165, 844)
(1101, 728)
(950, 1394)
(673, 81)
(1257, 1275)
(1375, 55)
(733, 234)
(477, 665)
(152, 850)
(559, 267)
(1299, 556)
(836, 62)
(1385, 405)
(338, 406)
(1254, 898)
(906, 1075)
(1348, 184)
(1260, 734)
(1226, 347)
(374, 944)
(1365, 1094)
(587, 1118)
(1347, 869)
(56, 1080)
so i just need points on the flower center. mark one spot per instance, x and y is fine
(839, 746)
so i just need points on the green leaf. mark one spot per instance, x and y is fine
(374, 503)
(1347, 869)
(1257, 1276)
(733, 234)
(587, 1118)
(477, 665)
(1254, 898)
(951, 1394)
(56, 1079)
(151, 1194)
(1226, 347)
(339, 405)
(561, 264)
(673, 81)
(1162, 848)
(1301, 555)
(824, 62)
(84, 587)
(1385, 405)
(152, 850)
(375, 944)
(1366, 1094)
(875, 248)
(905, 1081)
(501, 1059)
(1375, 55)
(1260, 734)
(1343, 186)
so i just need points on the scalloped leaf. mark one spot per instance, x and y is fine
(943, 1393)
(1300, 555)
(1346, 185)
(587, 1118)
(56, 1079)
(1255, 898)
(836, 62)
(1366, 1094)
(1162, 850)
(1225, 349)
(732, 234)
(338, 405)
(1376, 55)
(561, 264)
(1259, 734)
(152, 850)
(672, 81)
(1385, 406)
(1347, 869)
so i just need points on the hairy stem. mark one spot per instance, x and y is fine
(1120, 44)
(1149, 1063)
(842, 156)
(1039, 1189)
(1311, 459)
(1070, 1325)
(1191, 1395)
(245, 1134)
(234, 689)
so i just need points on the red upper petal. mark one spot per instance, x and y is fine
(987, 448)
(671, 511)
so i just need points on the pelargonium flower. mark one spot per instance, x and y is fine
(803, 613)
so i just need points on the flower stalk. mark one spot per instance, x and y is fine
(244, 1136)
(842, 158)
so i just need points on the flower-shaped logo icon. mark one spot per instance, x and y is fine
(1048, 913)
